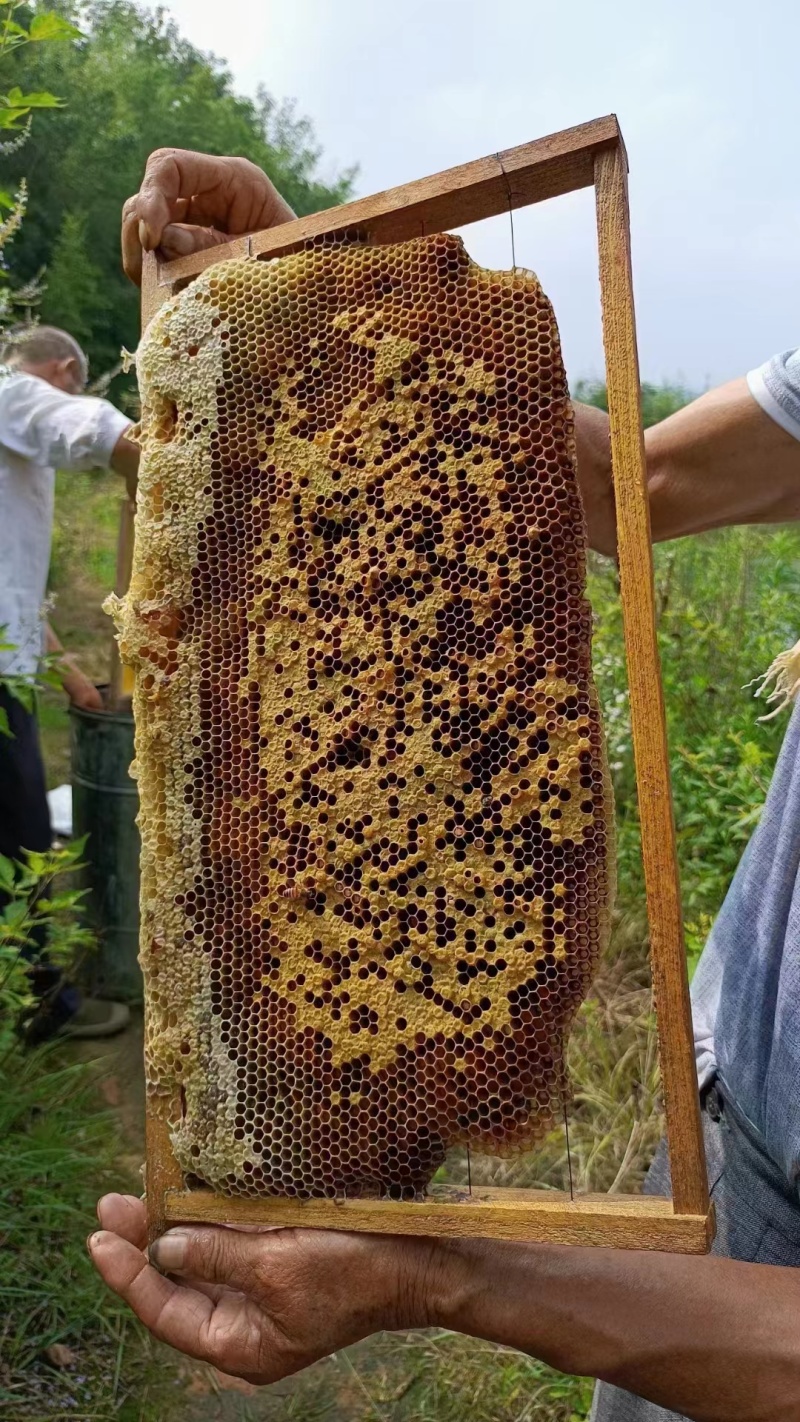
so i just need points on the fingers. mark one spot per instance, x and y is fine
(172, 178)
(132, 242)
(180, 240)
(226, 1332)
(91, 700)
(124, 1215)
(175, 1314)
(86, 699)
(230, 195)
(215, 1255)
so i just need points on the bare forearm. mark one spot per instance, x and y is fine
(708, 1338)
(79, 688)
(721, 460)
(711, 1339)
(64, 663)
(125, 461)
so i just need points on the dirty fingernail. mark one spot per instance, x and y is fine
(169, 1252)
(94, 1239)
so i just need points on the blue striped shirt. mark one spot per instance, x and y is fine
(746, 991)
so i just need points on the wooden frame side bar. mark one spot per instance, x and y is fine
(163, 1174)
(537, 1216)
(517, 177)
(155, 290)
(121, 584)
(162, 1171)
(648, 719)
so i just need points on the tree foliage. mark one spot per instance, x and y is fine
(658, 401)
(75, 297)
(19, 30)
(130, 85)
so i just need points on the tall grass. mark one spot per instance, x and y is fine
(58, 1151)
(727, 602)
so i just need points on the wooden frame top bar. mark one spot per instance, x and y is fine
(517, 177)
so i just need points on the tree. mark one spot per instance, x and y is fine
(74, 297)
(131, 85)
(18, 31)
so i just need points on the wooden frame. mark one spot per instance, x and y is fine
(590, 154)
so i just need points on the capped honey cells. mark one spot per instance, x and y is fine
(376, 820)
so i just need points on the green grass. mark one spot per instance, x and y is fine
(452, 1378)
(728, 602)
(443, 1377)
(85, 531)
(415, 1377)
(58, 1151)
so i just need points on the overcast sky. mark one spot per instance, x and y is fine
(706, 93)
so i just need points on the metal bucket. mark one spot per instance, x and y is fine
(105, 803)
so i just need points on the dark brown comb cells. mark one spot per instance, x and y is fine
(376, 819)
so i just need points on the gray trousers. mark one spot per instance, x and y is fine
(758, 1221)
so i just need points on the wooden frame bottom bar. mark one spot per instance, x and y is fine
(538, 1216)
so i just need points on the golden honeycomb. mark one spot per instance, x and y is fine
(376, 822)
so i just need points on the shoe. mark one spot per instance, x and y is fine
(97, 1018)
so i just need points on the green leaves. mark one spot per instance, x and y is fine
(22, 686)
(15, 99)
(45, 27)
(6, 874)
(16, 106)
(43, 902)
(19, 687)
(728, 601)
(12, 29)
(49, 26)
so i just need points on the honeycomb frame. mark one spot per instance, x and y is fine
(592, 153)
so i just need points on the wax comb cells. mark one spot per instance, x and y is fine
(376, 820)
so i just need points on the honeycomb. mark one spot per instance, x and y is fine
(376, 822)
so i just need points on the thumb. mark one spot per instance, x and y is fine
(214, 1254)
(182, 239)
